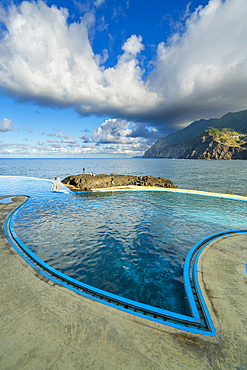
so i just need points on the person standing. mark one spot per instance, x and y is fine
(83, 170)
(58, 183)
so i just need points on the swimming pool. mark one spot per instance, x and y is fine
(130, 244)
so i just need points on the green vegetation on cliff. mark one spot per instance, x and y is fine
(227, 131)
(218, 144)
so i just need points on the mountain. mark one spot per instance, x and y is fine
(218, 144)
(180, 143)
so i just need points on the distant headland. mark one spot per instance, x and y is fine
(86, 182)
(216, 138)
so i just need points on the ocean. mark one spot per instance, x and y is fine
(224, 176)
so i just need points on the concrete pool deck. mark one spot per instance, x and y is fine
(46, 326)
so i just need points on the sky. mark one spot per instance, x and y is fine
(108, 78)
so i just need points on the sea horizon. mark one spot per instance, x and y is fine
(215, 176)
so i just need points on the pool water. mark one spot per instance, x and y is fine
(132, 244)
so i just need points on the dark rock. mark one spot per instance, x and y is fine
(88, 182)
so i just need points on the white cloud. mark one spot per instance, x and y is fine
(136, 148)
(205, 67)
(98, 3)
(68, 139)
(133, 46)
(44, 59)
(51, 134)
(7, 125)
(41, 142)
(199, 73)
(85, 138)
(6, 152)
(22, 146)
(112, 131)
(74, 145)
(4, 145)
(56, 146)
(120, 136)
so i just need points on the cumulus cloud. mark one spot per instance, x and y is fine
(4, 145)
(6, 152)
(134, 147)
(51, 134)
(56, 146)
(112, 131)
(7, 125)
(121, 136)
(22, 146)
(199, 72)
(46, 60)
(205, 67)
(147, 133)
(85, 138)
(68, 139)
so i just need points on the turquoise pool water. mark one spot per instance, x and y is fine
(132, 244)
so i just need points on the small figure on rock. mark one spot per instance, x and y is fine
(83, 170)
(58, 182)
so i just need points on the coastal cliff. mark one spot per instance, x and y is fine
(198, 142)
(86, 182)
(218, 144)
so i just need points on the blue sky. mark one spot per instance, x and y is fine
(102, 78)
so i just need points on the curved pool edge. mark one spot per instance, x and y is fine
(171, 319)
(156, 189)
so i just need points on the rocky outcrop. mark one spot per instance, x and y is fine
(215, 144)
(87, 182)
(179, 144)
(166, 151)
